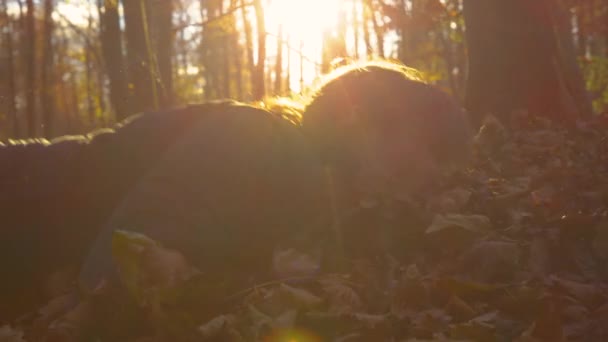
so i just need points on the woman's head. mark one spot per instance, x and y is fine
(383, 123)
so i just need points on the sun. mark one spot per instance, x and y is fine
(304, 23)
(303, 20)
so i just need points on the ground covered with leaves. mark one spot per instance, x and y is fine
(516, 248)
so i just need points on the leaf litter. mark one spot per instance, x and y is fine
(513, 249)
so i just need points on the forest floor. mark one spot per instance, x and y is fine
(514, 250)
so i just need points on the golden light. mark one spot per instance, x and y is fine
(303, 23)
(292, 335)
(303, 20)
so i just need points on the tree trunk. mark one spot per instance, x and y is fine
(89, 82)
(74, 123)
(334, 45)
(46, 72)
(111, 45)
(237, 53)
(278, 69)
(182, 45)
(30, 66)
(140, 60)
(378, 30)
(367, 14)
(11, 105)
(402, 50)
(288, 69)
(163, 11)
(259, 89)
(210, 50)
(355, 24)
(581, 23)
(100, 68)
(518, 59)
(448, 56)
(248, 43)
(226, 38)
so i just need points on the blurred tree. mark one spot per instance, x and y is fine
(237, 51)
(378, 28)
(334, 43)
(89, 75)
(9, 65)
(278, 67)
(111, 46)
(162, 27)
(61, 78)
(141, 64)
(590, 18)
(210, 47)
(248, 42)
(47, 95)
(355, 28)
(29, 52)
(226, 53)
(520, 58)
(367, 15)
(259, 89)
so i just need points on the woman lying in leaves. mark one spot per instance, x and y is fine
(225, 183)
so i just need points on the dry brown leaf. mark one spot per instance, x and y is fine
(549, 326)
(459, 309)
(341, 298)
(539, 257)
(216, 326)
(291, 263)
(466, 289)
(473, 331)
(300, 298)
(450, 201)
(590, 295)
(472, 223)
(491, 260)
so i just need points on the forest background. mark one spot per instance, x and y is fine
(70, 66)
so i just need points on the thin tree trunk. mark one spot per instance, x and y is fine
(226, 70)
(248, 44)
(89, 77)
(11, 105)
(139, 56)
(73, 123)
(164, 49)
(100, 71)
(581, 22)
(226, 51)
(210, 50)
(101, 95)
(566, 64)
(355, 24)
(377, 30)
(278, 70)
(366, 39)
(403, 33)
(30, 73)
(259, 89)
(448, 56)
(46, 72)
(288, 69)
(301, 55)
(111, 45)
(237, 53)
(182, 46)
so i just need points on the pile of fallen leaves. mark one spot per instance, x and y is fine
(516, 249)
